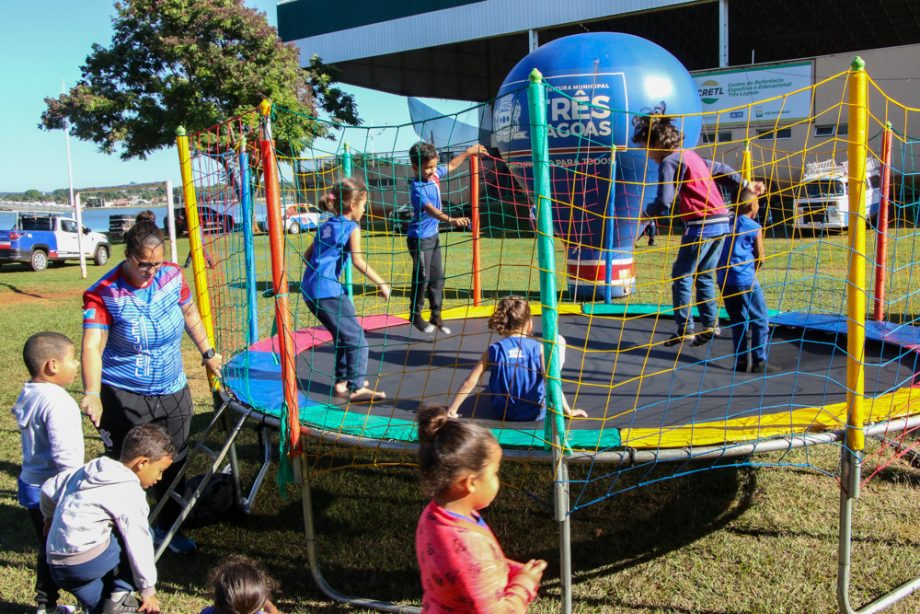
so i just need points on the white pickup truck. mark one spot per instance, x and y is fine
(40, 238)
(822, 201)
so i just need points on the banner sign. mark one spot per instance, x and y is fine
(720, 90)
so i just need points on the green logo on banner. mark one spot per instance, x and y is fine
(710, 91)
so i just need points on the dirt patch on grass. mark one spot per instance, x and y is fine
(11, 298)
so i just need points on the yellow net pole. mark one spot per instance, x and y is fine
(194, 240)
(747, 166)
(857, 87)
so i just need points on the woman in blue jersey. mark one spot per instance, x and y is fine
(336, 238)
(133, 320)
(516, 389)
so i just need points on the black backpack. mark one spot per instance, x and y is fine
(216, 503)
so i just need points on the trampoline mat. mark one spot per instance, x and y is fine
(616, 369)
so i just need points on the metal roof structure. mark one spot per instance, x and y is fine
(463, 49)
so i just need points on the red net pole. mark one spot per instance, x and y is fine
(280, 281)
(474, 201)
(881, 235)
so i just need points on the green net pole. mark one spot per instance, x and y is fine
(346, 171)
(536, 98)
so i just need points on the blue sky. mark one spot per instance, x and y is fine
(43, 43)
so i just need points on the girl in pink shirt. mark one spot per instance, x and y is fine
(463, 567)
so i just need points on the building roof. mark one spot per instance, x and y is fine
(463, 49)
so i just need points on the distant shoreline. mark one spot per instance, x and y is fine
(13, 207)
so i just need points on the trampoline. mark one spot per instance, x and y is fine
(637, 393)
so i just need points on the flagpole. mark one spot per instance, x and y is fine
(74, 202)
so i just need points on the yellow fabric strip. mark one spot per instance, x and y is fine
(897, 404)
(484, 311)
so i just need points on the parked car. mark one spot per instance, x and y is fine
(822, 201)
(119, 225)
(303, 216)
(296, 218)
(210, 219)
(38, 239)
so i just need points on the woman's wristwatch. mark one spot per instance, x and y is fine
(209, 354)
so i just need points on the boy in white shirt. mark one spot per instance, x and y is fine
(52, 439)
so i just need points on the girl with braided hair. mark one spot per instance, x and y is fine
(516, 390)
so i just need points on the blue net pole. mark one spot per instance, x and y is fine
(252, 315)
(349, 285)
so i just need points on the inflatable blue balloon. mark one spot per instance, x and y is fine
(599, 82)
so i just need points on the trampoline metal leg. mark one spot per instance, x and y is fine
(247, 502)
(302, 474)
(234, 467)
(561, 488)
(851, 466)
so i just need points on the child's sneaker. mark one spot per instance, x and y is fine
(439, 324)
(678, 338)
(426, 327)
(741, 366)
(120, 603)
(179, 544)
(703, 338)
(58, 609)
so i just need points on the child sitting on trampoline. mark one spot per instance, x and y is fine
(462, 566)
(742, 256)
(336, 238)
(517, 390)
(705, 218)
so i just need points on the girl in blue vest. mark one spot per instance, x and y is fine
(516, 390)
(336, 238)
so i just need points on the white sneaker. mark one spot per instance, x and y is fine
(444, 330)
(422, 325)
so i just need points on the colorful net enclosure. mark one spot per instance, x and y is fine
(564, 231)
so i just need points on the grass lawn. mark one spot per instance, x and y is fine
(741, 539)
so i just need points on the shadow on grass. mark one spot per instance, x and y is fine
(901, 473)
(18, 290)
(18, 534)
(359, 506)
(649, 522)
(11, 469)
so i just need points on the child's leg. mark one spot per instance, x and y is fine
(419, 278)
(710, 250)
(85, 581)
(46, 590)
(682, 272)
(735, 304)
(353, 343)
(328, 312)
(350, 348)
(435, 278)
(759, 323)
